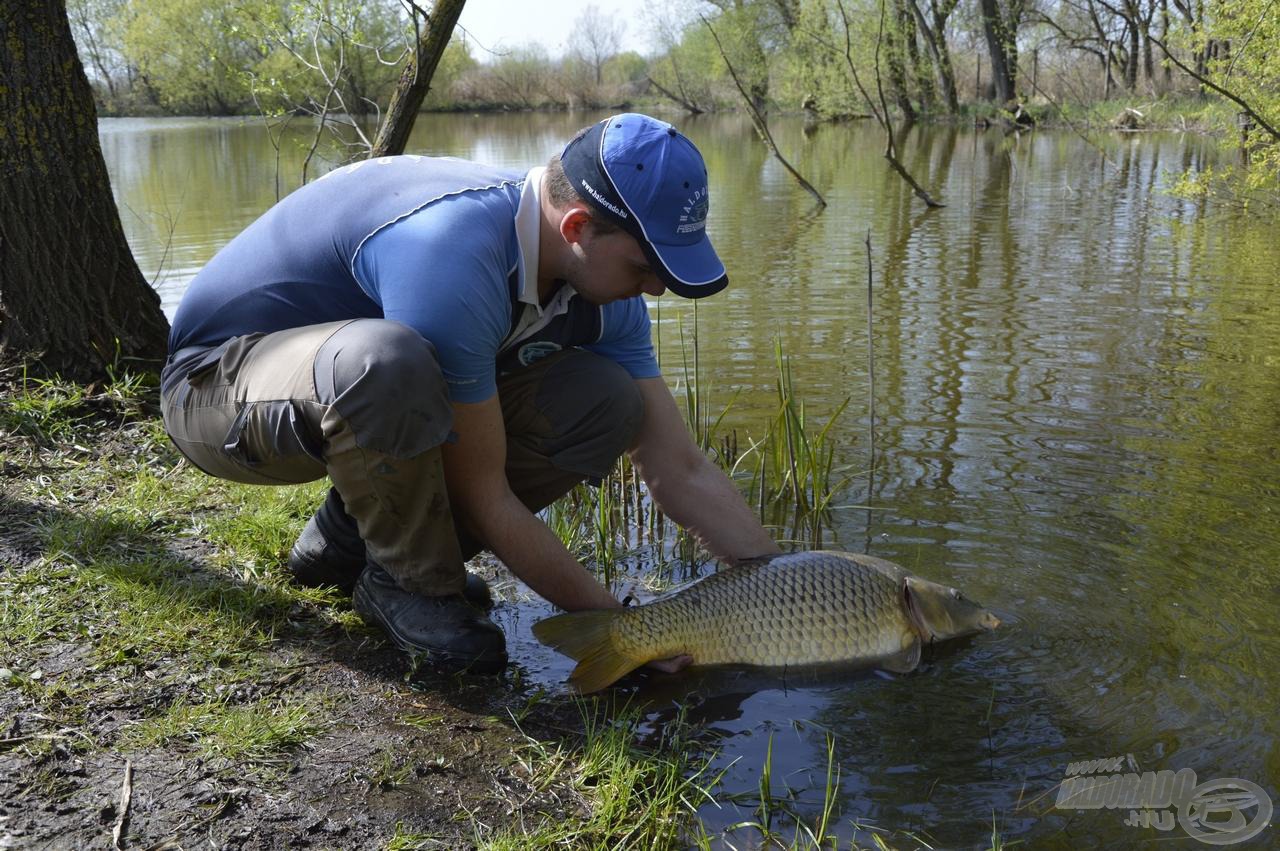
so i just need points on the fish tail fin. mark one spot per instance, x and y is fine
(586, 637)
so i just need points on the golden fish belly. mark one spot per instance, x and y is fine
(790, 611)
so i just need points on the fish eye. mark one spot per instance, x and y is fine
(955, 593)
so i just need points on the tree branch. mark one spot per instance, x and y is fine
(1205, 81)
(761, 127)
(689, 106)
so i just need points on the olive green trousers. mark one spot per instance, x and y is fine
(364, 402)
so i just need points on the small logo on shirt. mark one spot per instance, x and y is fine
(531, 353)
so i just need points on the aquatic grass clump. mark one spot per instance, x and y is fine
(628, 796)
(795, 478)
(769, 807)
(793, 482)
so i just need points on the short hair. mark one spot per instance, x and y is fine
(563, 193)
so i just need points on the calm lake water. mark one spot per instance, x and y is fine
(1077, 404)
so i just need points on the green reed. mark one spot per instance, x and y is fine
(795, 478)
(788, 475)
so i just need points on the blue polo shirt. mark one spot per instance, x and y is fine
(445, 246)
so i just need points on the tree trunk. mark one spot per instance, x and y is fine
(72, 300)
(920, 75)
(415, 80)
(897, 73)
(1133, 47)
(935, 38)
(997, 48)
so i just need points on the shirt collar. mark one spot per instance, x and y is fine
(528, 222)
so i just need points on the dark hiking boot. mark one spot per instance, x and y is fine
(449, 632)
(330, 552)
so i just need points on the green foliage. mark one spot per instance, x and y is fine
(455, 64)
(257, 735)
(1235, 44)
(815, 70)
(692, 68)
(217, 58)
(193, 55)
(634, 797)
(624, 68)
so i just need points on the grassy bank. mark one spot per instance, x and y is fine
(149, 640)
(146, 625)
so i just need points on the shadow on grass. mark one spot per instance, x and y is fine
(165, 593)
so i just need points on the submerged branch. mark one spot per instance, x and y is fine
(758, 120)
(689, 106)
(879, 110)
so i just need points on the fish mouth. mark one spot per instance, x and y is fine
(990, 621)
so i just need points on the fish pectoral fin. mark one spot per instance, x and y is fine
(905, 660)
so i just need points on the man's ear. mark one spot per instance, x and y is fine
(575, 225)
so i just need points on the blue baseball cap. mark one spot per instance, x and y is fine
(646, 177)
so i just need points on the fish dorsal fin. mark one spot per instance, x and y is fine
(905, 660)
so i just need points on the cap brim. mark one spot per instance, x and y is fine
(692, 271)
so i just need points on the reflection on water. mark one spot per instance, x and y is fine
(1077, 403)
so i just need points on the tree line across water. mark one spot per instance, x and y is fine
(82, 312)
(929, 56)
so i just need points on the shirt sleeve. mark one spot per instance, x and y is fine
(443, 271)
(625, 338)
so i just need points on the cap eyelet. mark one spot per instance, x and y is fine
(639, 166)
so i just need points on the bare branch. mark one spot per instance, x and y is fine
(881, 111)
(761, 127)
(688, 105)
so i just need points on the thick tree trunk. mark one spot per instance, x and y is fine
(415, 80)
(72, 300)
(897, 72)
(998, 48)
(935, 38)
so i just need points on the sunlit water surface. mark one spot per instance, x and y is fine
(1077, 402)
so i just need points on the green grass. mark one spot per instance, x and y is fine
(629, 797)
(256, 735)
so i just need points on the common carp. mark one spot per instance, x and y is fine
(808, 608)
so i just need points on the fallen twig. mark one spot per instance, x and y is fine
(126, 793)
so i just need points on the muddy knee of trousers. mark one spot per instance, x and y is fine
(382, 378)
(588, 412)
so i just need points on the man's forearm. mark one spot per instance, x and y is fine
(536, 555)
(705, 501)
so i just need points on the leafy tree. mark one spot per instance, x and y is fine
(1236, 41)
(689, 65)
(456, 62)
(195, 55)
